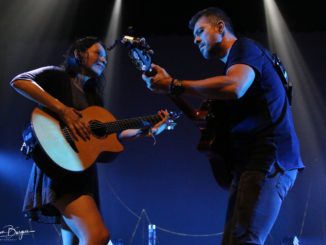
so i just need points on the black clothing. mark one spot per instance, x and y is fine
(256, 150)
(43, 191)
(257, 130)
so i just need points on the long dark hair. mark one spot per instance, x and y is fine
(72, 64)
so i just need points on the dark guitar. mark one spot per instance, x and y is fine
(140, 54)
(55, 139)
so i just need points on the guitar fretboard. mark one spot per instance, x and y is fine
(130, 123)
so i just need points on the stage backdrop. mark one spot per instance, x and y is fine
(168, 184)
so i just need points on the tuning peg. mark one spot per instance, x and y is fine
(171, 124)
(175, 115)
(150, 51)
(142, 42)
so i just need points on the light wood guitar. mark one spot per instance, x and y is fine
(77, 155)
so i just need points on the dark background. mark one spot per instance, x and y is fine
(170, 182)
(168, 17)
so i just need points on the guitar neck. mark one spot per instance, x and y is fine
(193, 114)
(132, 123)
(141, 56)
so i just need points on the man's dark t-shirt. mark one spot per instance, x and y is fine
(257, 130)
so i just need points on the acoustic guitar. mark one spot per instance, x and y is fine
(55, 138)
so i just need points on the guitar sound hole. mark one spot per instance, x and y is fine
(98, 129)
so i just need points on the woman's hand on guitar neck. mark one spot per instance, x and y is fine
(161, 125)
(74, 120)
(129, 134)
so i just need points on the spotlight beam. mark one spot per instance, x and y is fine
(308, 105)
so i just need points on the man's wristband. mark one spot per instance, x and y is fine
(176, 87)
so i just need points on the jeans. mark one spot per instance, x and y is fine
(254, 203)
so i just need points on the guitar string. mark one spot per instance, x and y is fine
(131, 123)
(117, 125)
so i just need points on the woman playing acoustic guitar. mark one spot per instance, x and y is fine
(64, 92)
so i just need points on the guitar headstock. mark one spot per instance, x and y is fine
(139, 52)
(171, 121)
(141, 55)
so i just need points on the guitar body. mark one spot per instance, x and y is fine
(207, 129)
(205, 119)
(78, 155)
(56, 152)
